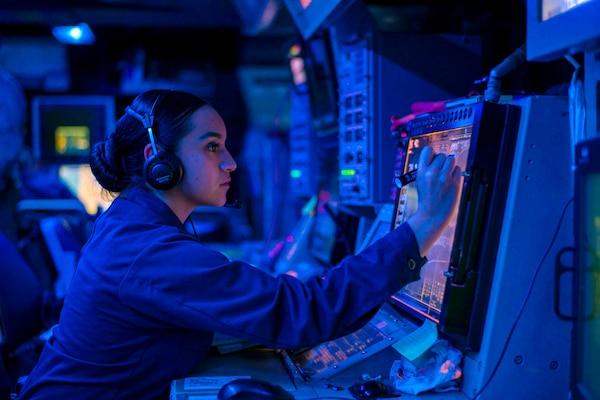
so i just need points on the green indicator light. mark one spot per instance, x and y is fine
(348, 172)
(295, 173)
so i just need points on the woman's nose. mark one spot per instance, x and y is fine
(229, 163)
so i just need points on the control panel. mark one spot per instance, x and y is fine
(365, 143)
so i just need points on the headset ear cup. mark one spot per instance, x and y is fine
(163, 171)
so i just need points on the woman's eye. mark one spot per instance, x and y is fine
(212, 147)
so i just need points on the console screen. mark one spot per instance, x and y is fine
(424, 297)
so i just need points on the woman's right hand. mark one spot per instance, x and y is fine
(438, 186)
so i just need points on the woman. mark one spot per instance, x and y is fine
(147, 296)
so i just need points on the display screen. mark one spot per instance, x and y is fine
(312, 16)
(586, 289)
(81, 182)
(425, 297)
(552, 8)
(72, 140)
(590, 307)
(556, 28)
(305, 3)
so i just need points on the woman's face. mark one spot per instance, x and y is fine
(207, 163)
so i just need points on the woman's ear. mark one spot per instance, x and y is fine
(148, 151)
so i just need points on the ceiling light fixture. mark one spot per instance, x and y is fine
(74, 34)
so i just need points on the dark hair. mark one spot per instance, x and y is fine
(118, 161)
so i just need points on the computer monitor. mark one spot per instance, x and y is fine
(64, 127)
(78, 178)
(312, 16)
(455, 281)
(586, 285)
(556, 28)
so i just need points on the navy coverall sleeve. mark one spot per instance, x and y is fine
(198, 288)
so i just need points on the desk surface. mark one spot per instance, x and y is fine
(348, 364)
(268, 365)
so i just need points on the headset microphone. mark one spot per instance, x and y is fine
(234, 204)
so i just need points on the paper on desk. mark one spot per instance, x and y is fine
(417, 342)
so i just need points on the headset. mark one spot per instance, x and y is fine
(162, 170)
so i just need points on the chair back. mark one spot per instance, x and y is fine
(21, 299)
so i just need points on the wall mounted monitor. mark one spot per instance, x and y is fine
(65, 127)
(312, 16)
(556, 28)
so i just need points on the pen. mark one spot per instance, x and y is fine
(288, 364)
(294, 367)
(403, 180)
(303, 374)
